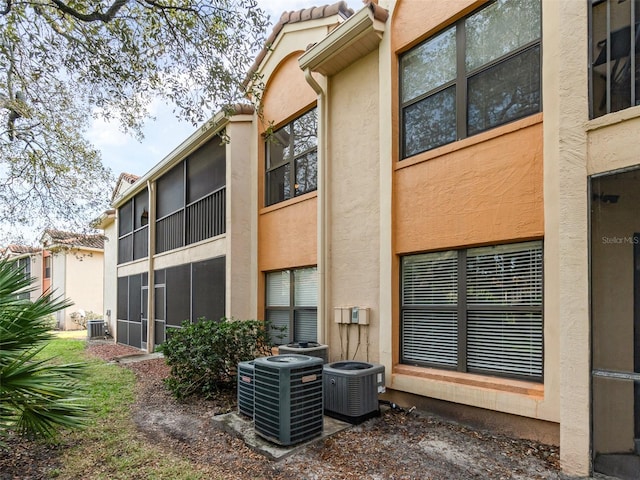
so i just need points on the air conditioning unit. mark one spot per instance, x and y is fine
(245, 388)
(95, 329)
(311, 349)
(288, 398)
(351, 390)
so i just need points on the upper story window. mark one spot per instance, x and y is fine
(292, 159)
(482, 72)
(615, 55)
(24, 265)
(133, 217)
(191, 198)
(47, 266)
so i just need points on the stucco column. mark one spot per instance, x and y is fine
(387, 284)
(151, 314)
(565, 106)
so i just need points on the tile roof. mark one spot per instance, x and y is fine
(14, 249)
(69, 239)
(124, 178)
(128, 177)
(295, 16)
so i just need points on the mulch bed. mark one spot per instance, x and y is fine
(396, 445)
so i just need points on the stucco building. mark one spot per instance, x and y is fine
(463, 173)
(69, 265)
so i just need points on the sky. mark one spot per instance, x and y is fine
(123, 153)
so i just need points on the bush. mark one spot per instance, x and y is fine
(204, 356)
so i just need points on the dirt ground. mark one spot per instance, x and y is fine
(397, 445)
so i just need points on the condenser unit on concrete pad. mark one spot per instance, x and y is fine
(351, 390)
(288, 398)
(95, 329)
(312, 349)
(245, 388)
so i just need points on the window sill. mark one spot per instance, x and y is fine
(470, 141)
(288, 203)
(518, 387)
(613, 118)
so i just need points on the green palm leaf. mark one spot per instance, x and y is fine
(37, 397)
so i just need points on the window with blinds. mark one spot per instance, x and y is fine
(476, 310)
(292, 305)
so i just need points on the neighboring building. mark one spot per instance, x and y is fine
(74, 264)
(184, 238)
(29, 259)
(425, 162)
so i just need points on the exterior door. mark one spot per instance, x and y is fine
(615, 324)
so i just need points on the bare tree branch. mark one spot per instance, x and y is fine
(94, 16)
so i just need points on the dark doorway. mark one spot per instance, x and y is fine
(615, 323)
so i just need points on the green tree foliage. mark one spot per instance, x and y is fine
(204, 356)
(36, 396)
(63, 62)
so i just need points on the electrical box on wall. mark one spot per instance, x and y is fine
(342, 314)
(363, 315)
(354, 314)
(359, 315)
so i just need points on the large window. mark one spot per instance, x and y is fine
(191, 199)
(477, 310)
(292, 159)
(481, 72)
(292, 305)
(133, 218)
(615, 55)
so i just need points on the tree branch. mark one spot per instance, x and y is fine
(7, 8)
(94, 16)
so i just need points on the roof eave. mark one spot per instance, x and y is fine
(356, 37)
(203, 134)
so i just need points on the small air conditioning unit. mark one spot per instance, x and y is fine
(311, 349)
(245, 388)
(288, 398)
(351, 390)
(95, 329)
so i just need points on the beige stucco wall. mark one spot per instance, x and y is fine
(566, 294)
(240, 296)
(110, 280)
(84, 270)
(353, 218)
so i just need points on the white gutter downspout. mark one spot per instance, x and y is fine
(323, 207)
(151, 315)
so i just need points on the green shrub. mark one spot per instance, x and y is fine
(204, 356)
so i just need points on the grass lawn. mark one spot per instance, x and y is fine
(110, 447)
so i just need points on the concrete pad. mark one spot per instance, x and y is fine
(242, 427)
(136, 357)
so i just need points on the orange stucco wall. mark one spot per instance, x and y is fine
(489, 192)
(287, 231)
(413, 21)
(287, 235)
(286, 94)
